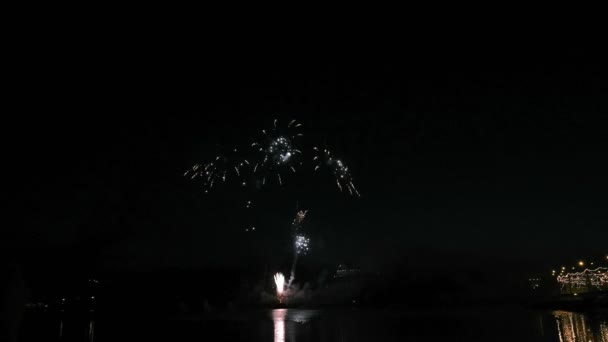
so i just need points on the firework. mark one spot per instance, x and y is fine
(277, 152)
(272, 158)
(340, 171)
(221, 169)
(279, 281)
(301, 243)
(297, 221)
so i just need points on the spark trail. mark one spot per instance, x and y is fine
(341, 172)
(274, 157)
(300, 242)
(277, 152)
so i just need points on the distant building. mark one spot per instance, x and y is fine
(589, 280)
(345, 271)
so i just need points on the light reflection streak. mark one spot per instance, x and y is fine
(91, 330)
(61, 329)
(287, 322)
(577, 327)
(278, 317)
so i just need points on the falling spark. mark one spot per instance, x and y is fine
(277, 151)
(224, 168)
(340, 171)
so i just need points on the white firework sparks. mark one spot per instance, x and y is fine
(277, 151)
(220, 170)
(279, 281)
(275, 157)
(302, 244)
(340, 171)
(280, 150)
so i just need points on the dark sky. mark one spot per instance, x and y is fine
(482, 152)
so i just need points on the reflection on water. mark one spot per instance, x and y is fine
(579, 327)
(286, 321)
(91, 330)
(291, 325)
(348, 326)
(278, 317)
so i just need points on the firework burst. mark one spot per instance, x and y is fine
(302, 243)
(272, 158)
(223, 168)
(277, 152)
(341, 172)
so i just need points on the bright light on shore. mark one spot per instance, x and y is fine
(279, 281)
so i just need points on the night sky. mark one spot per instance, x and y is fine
(459, 153)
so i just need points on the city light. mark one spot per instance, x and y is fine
(590, 279)
(585, 280)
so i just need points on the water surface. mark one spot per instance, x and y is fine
(281, 325)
